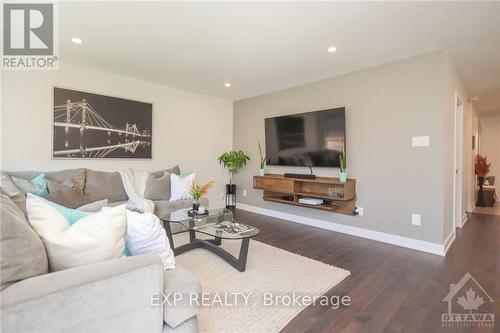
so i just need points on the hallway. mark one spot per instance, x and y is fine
(488, 210)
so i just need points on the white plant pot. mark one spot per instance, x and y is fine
(262, 172)
(343, 176)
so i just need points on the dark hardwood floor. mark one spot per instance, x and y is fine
(392, 289)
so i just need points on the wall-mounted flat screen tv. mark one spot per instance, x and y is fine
(306, 139)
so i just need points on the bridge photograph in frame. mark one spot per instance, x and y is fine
(88, 125)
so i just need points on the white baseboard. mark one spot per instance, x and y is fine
(464, 220)
(414, 244)
(449, 240)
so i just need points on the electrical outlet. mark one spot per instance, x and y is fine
(244, 193)
(359, 210)
(415, 219)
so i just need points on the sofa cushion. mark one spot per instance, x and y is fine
(175, 170)
(181, 186)
(158, 188)
(37, 185)
(146, 235)
(163, 208)
(24, 174)
(158, 185)
(77, 177)
(92, 238)
(10, 189)
(190, 325)
(95, 206)
(23, 254)
(101, 185)
(180, 280)
(60, 176)
(68, 194)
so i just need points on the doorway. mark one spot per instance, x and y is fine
(459, 216)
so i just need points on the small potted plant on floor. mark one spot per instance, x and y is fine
(262, 170)
(197, 192)
(342, 160)
(233, 161)
(481, 168)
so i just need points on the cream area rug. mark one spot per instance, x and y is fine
(261, 298)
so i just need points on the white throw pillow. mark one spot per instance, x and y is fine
(93, 238)
(145, 234)
(180, 186)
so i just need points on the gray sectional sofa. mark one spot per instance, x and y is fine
(109, 296)
(76, 187)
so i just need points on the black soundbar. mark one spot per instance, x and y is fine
(299, 175)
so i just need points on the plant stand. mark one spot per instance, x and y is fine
(481, 202)
(230, 196)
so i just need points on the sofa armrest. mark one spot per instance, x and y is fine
(110, 296)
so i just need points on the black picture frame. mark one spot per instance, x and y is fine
(93, 126)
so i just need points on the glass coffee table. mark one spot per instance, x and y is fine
(217, 223)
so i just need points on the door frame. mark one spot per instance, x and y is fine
(458, 159)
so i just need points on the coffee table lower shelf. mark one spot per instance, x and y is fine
(212, 245)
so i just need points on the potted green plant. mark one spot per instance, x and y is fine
(343, 171)
(197, 192)
(262, 170)
(233, 161)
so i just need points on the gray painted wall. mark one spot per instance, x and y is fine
(386, 106)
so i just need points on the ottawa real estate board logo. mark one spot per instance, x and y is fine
(469, 305)
(29, 36)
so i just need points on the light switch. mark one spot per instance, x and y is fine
(415, 219)
(420, 141)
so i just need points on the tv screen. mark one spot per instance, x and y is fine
(306, 139)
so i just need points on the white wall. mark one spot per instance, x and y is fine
(490, 143)
(189, 129)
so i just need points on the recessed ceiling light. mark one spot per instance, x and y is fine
(76, 40)
(332, 49)
(227, 84)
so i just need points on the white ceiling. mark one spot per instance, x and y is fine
(261, 47)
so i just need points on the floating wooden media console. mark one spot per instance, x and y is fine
(337, 197)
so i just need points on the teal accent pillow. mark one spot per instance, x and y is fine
(73, 215)
(36, 186)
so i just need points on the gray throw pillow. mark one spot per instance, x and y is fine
(158, 185)
(158, 188)
(60, 176)
(23, 254)
(13, 192)
(76, 175)
(101, 185)
(175, 170)
(94, 207)
(68, 194)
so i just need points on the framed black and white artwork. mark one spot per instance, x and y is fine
(87, 125)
